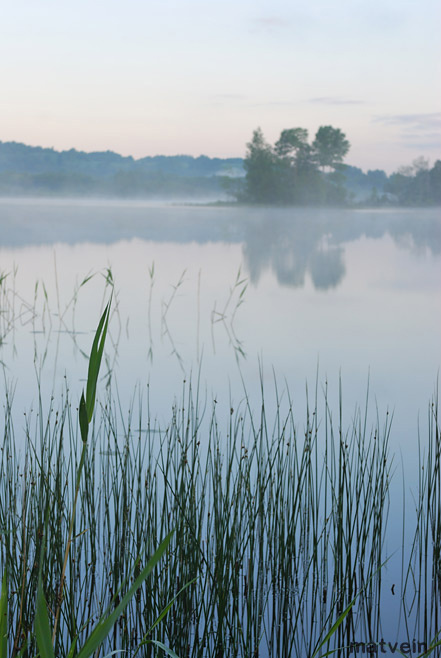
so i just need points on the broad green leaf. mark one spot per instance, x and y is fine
(169, 605)
(331, 651)
(105, 624)
(331, 632)
(82, 417)
(146, 640)
(431, 648)
(4, 617)
(42, 629)
(72, 648)
(96, 354)
(86, 279)
(168, 651)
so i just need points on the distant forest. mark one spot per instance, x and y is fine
(292, 172)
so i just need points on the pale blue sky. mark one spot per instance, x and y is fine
(167, 77)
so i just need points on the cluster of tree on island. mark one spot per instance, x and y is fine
(296, 172)
(290, 172)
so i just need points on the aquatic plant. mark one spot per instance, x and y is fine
(281, 528)
(48, 641)
(278, 523)
(422, 577)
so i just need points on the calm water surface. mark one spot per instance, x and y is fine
(235, 294)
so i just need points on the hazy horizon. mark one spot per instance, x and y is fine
(145, 79)
(202, 154)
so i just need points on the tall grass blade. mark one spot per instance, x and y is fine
(333, 630)
(42, 629)
(167, 650)
(432, 646)
(105, 625)
(146, 639)
(85, 414)
(4, 617)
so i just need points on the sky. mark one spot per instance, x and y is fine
(149, 77)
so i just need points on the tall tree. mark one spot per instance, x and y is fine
(297, 168)
(330, 146)
(416, 184)
(261, 166)
(290, 142)
(435, 183)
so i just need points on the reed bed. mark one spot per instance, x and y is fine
(279, 511)
(279, 524)
(422, 583)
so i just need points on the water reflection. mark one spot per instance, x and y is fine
(381, 295)
(291, 248)
(292, 243)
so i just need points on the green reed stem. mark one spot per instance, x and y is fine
(85, 415)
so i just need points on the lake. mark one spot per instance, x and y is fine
(244, 292)
(232, 301)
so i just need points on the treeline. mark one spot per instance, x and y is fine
(293, 171)
(416, 185)
(20, 158)
(45, 171)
